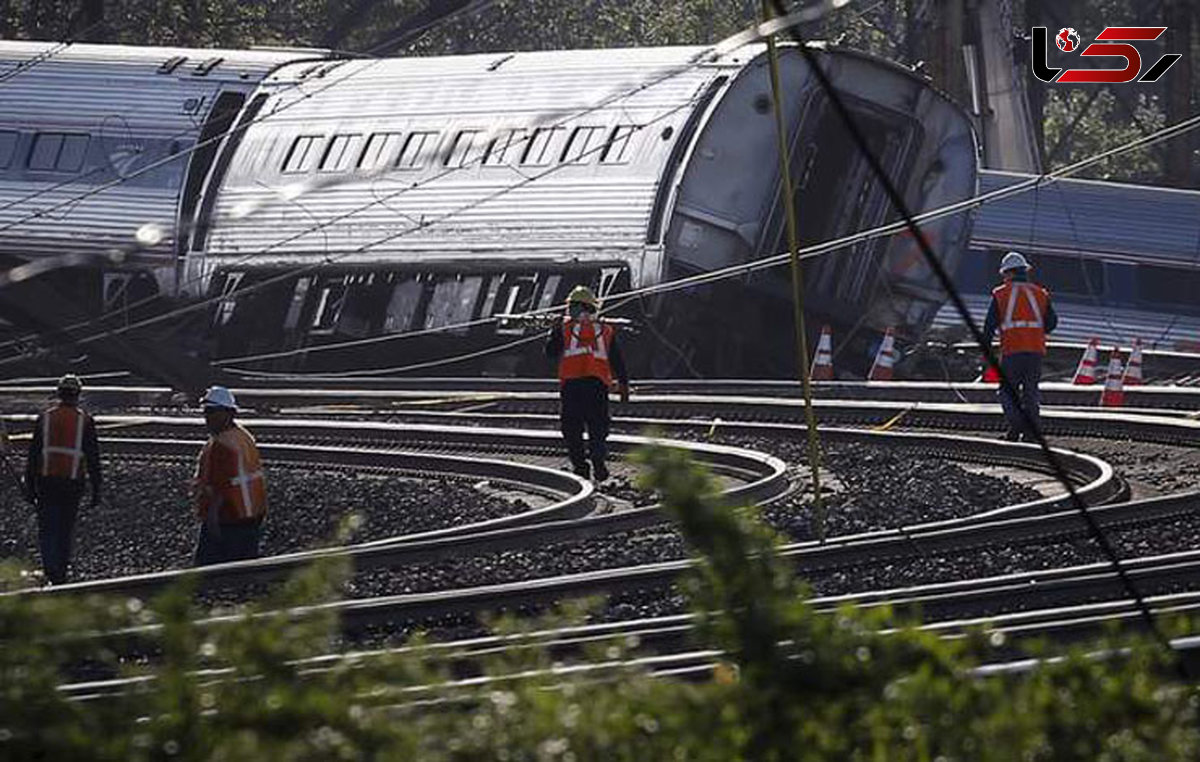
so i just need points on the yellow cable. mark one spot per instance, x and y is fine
(892, 421)
(810, 418)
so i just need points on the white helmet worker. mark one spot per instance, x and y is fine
(219, 397)
(1013, 260)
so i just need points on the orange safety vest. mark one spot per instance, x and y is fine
(585, 351)
(1021, 308)
(230, 466)
(62, 442)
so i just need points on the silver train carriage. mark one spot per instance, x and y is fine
(99, 165)
(369, 198)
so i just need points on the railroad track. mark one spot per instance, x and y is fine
(1066, 600)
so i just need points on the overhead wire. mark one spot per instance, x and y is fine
(956, 299)
(216, 139)
(330, 260)
(370, 63)
(703, 57)
(49, 53)
(751, 34)
(617, 300)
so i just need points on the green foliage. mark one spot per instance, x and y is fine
(273, 681)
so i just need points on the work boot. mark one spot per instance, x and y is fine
(583, 470)
(601, 471)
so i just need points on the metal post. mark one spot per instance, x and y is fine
(789, 202)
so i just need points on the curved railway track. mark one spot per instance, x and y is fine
(511, 419)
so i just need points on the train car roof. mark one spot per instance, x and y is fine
(19, 57)
(1115, 221)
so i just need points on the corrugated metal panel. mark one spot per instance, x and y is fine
(1113, 220)
(103, 223)
(1082, 322)
(570, 211)
(20, 59)
(133, 115)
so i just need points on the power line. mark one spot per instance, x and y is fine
(476, 7)
(775, 260)
(330, 260)
(703, 57)
(935, 265)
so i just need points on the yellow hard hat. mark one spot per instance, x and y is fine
(582, 294)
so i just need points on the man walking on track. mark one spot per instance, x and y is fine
(1021, 309)
(589, 356)
(230, 489)
(64, 452)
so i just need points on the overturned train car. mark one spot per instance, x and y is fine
(377, 213)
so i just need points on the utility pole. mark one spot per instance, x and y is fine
(793, 236)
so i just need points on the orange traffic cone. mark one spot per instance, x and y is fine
(1114, 392)
(822, 364)
(1085, 374)
(885, 359)
(1133, 371)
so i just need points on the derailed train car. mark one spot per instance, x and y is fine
(413, 199)
(104, 149)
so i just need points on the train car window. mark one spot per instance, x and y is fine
(542, 146)
(228, 303)
(299, 296)
(549, 291)
(303, 153)
(338, 153)
(489, 300)
(504, 150)
(8, 147)
(468, 147)
(617, 150)
(519, 298)
(379, 150)
(58, 152)
(1167, 285)
(581, 148)
(406, 298)
(417, 149)
(1069, 275)
(608, 281)
(329, 308)
(453, 303)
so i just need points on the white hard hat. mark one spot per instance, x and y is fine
(1013, 260)
(219, 397)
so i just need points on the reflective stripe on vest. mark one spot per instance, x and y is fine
(1022, 308)
(62, 442)
(230, 466)
(585, 351)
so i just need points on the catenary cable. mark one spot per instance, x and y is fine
(708, 54)
(774, 260)
(947, 284)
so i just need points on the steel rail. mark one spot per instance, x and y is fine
(755, 478)
(408, 391)
(1095, 478)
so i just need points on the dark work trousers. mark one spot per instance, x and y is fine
(58, 506)
(585, 405)
(232, 542)
(1024, 370)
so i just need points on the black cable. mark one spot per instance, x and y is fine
(947, 284)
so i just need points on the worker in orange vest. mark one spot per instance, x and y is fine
(1022, 311)
(589, 357)
(64, 452)
(229, 487)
